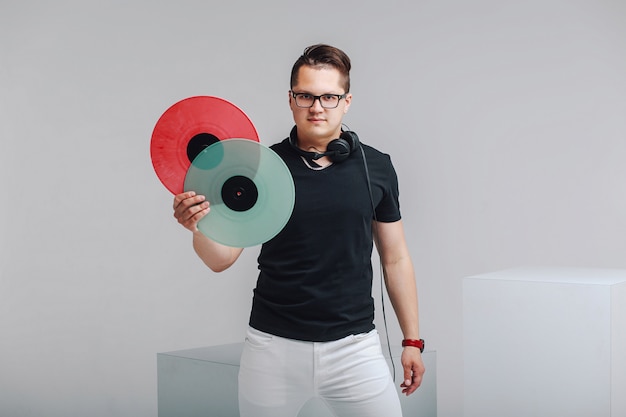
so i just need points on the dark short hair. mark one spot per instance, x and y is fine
(323, 56)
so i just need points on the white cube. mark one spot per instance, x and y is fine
(545, 342)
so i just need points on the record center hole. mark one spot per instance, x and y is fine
(198, 143)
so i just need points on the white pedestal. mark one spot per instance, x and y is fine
(545, 342)
(203, 382)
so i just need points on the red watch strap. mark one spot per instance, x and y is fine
(418, 343)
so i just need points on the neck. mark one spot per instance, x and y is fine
(315, 143)
(313, 146)
(316, 149)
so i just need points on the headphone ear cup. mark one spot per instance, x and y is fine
(351, 138)
(340, 149)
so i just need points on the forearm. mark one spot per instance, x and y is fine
(402, 290)
(400, 280)
(216, 256)
(399, 275)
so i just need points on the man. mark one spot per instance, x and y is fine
(311, 328)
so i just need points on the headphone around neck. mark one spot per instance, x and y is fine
(337, 150)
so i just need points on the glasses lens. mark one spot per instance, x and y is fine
(329, 101)
(304, 100)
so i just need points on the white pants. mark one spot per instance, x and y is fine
(278, 376)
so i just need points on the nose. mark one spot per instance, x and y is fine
(317, 105)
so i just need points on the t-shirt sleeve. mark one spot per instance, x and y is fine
(388, 209)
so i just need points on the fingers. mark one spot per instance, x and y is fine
(184, 197)
(413, 371)
(412, 381)
(189, 208)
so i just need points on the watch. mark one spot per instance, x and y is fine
(418, 343)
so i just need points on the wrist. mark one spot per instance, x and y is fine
(416, 343)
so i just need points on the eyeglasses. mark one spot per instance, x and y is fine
(327, 101)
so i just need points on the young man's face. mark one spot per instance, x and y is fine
(316, 123)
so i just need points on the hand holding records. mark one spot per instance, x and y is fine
(190, 208)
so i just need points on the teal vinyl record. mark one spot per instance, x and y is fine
(249, 187)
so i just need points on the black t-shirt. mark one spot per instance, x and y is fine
(315, 279)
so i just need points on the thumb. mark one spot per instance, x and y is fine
(408, 376)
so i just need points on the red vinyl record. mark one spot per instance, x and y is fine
(188, 127)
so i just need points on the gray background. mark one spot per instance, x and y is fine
(505, 120)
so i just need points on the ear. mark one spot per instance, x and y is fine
(348, 101)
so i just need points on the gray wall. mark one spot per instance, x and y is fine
(505, 121)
